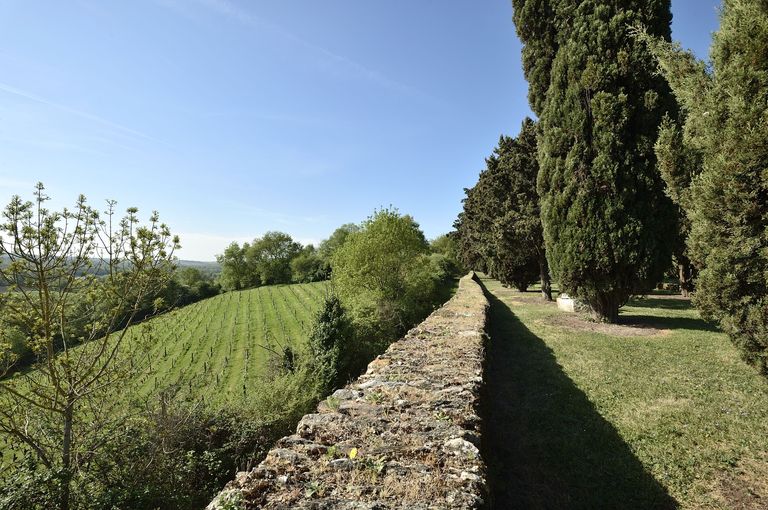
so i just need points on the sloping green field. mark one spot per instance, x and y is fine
(220, 347)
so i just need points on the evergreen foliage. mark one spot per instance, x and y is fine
(727, 200)
(330, 345)
(499, 230)
(678, 162)
(608, 227)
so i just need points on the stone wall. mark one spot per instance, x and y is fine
(406, 434)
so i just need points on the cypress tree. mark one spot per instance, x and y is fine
(678, 163)
(330, 346)
(725, 105)
(499, 230)
(608, 226)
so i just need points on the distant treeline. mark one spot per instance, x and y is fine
(189, 284)
(277, 258)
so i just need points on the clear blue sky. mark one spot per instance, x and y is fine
(234, 117)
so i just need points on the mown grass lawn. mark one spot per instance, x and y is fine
(657, 412)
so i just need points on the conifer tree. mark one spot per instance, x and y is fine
(725, 105)
(608, 226)
(330, 346)
(500, 230)
(678, 163)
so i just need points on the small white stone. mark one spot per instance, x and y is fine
(469, 476)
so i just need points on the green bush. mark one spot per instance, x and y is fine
(331, 346)
(385, 278)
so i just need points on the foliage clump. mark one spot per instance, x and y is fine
(331, 346)
(384, 276)
(266, 261)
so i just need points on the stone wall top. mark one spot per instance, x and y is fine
(406, 434)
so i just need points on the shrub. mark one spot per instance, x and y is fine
(331, 347)
(384, 277)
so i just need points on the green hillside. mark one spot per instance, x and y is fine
(219, 347)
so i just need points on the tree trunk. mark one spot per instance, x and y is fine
(685, 273)
(66, 454)
(546, 284)
(605, 306)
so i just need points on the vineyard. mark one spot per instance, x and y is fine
(217, 349)
(220, 347)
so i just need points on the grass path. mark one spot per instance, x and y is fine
(658, 412)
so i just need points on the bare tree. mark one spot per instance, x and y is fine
(76, 281)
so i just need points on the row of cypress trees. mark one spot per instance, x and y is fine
(643, 151)
(499, 231)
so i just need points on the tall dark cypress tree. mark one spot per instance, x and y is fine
(608, 226)
(726, 197)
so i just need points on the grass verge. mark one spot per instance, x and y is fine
(657, 412)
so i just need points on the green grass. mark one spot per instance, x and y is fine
(217, 350)
(219, 347)
(659, 412)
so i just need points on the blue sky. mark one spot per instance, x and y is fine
(233, 118)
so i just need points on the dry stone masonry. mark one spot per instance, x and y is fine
(406, 434)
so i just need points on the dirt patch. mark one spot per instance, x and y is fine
(746, 486)
(515, 297)
(576, 322)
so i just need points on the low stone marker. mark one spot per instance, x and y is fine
(566, 303)
(406, 434)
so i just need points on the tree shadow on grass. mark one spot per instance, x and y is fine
(662, 322)
(674, 323)
(662, 303)
(545, 444)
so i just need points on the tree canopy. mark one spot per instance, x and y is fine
(265, 261)
(383, 275)
(499, 230)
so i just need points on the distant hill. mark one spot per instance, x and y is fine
(206, 267)
(211, 268)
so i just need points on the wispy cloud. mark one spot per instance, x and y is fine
(240, 15)
(8, 89)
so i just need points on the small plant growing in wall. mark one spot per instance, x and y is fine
(232, 501)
